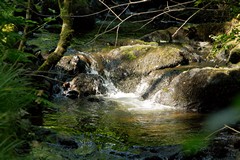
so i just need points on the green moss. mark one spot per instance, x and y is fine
(165, 89)
(135, 51)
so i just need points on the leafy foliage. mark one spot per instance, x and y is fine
(15, 89)
(9, 36)
(223, 41)
(15, 94)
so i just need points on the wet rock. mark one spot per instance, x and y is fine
(95, 99)
(72, 94)
(87, 84)
(72, 65)
(68, 143)
(157, 81)
(128, 64)
(221, 147)
(202, 90)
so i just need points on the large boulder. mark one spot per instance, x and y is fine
(127, 64)
(201, 90)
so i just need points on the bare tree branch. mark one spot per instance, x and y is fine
(110, 10)
(190, 18)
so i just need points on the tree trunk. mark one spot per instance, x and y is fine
(65, 36)
(25, 31)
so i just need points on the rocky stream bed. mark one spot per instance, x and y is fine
(144, 99)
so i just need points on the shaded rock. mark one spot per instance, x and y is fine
(166, 36)
(87, 84)
(234, 56)
(226, 46)
(202, 32)
(72, 94)
(197, 51)
(161, 36)
(202, 90)
(95, 99)
(68, 143)
(72, 65)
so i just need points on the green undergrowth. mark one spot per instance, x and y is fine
(15, 96)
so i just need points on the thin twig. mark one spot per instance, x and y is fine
(110, 9)
(225, 126)
(190, 18)
(116, 39)
(232, 128)
(46, 77)
(153, 18)
(215, 132)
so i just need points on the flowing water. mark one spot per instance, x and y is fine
(129, 119)
(124, 118)
(116, 125)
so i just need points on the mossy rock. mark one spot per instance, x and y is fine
(127, 64)
(202, 90)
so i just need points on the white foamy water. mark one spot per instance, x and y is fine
(133, 101)
(130, 101)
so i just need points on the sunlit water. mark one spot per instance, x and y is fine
(127, 118)
(124, 117)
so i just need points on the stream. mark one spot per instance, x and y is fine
(119, 123)
(139, 122)
(136, 125)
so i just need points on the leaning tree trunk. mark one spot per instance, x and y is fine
(65, 36)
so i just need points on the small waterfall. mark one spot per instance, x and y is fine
(133, 101)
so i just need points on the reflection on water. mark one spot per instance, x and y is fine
(144, 124)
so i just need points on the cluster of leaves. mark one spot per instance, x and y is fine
(222, 42)
(16, 92)
(9, 36)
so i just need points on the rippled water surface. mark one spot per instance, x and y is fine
(126, 120)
